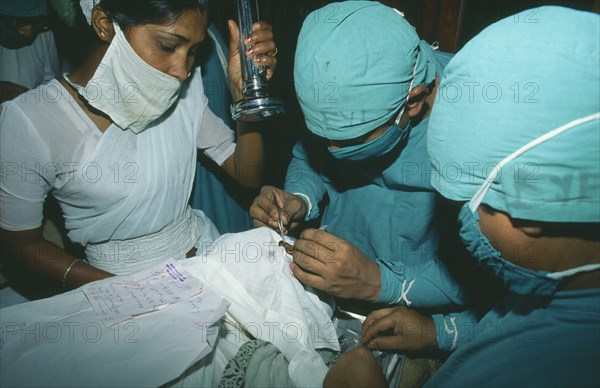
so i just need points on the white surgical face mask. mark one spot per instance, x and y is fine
(130, 91)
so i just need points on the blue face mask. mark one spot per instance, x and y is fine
(518, 280)
(384, 143)
(377, 147)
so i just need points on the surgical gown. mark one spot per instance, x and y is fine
(386, 207)
(513, 345)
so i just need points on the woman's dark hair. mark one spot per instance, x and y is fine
(133, 12)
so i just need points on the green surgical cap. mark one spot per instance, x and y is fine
(353, 66)
(23, 8)
(519, 79)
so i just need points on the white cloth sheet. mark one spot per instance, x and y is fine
(253, 272)
(248, 269)
(62, 342)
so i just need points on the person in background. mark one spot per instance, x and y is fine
(530, 189)
(28, 55)
(28, 58)
(115, 142)
(220, 197)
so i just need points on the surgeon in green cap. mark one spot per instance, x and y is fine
(526, 169)
(366, 84)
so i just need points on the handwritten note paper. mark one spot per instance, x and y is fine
(127, 296)
(152, 349)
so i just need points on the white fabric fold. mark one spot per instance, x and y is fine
(192, 229)
(252, 271)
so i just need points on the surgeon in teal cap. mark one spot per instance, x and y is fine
(532, 216)
(521, 152)
(366, 84)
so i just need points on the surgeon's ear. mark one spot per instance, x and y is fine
(416, 100)
(530, 228)
(102, 24)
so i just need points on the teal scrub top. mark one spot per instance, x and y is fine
(386, 207)
(557, 345)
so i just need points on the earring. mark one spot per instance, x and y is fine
(102, 34)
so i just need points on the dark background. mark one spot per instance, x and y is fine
(450, 22)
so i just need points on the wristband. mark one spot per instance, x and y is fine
(67, 272)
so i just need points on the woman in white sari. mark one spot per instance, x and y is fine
(115, 142)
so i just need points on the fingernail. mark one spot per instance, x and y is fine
(248, 40)
(249, 51)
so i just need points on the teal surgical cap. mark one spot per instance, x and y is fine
(354, 64)
(519, 79)
(23, 8)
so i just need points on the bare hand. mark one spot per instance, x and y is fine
(410, 331)
(334, 265)
(357, 368)
(265, 208)
(259, 46)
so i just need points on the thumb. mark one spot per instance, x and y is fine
(234, 37)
